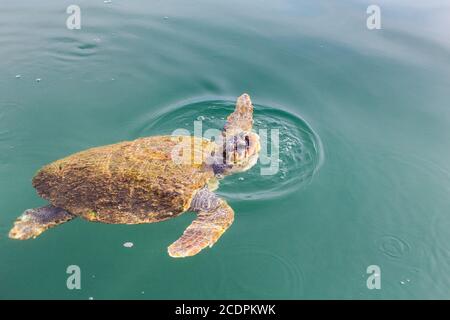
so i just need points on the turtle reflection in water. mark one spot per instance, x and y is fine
(139, 182)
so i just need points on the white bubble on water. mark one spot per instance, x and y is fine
(128, 244)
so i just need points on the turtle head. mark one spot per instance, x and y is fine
(241, 145)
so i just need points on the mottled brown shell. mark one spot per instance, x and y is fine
(128, 182)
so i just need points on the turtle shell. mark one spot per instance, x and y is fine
(130, 182)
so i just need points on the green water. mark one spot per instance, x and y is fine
(364, 124)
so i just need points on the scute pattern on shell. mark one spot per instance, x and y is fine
(128, 182)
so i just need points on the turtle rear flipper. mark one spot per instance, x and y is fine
(35, 221)
(213, 219)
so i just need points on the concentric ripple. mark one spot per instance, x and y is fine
(300, 150)
(257, 263)
(393, 247)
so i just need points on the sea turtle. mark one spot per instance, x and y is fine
(148, 180)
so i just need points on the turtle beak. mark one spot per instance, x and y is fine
(242, 117)
(253, 144)
(242, 151)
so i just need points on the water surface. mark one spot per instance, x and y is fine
(364, 125)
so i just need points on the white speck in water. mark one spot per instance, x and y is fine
(91, 298)
(241, 178)
(93, 276)
(142, 292)
(38, 80)
(107, 1)
(128, 244)
(166, 17)
(18, 76)
(200, 118)
(97, 39)
(112, 79)
(407, 280)
(402, 282)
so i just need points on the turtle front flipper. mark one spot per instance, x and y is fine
(213, 219)
(35, 221)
